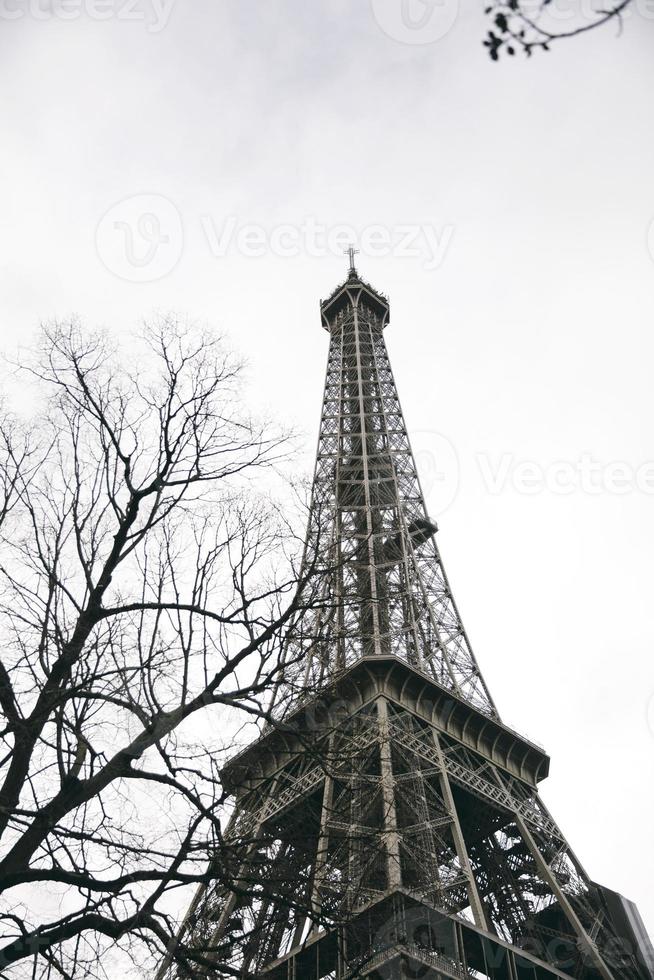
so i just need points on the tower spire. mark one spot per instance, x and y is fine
(351, 252)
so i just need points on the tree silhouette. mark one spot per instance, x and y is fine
(144, 591)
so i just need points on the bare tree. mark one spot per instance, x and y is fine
(526, 26)
(144, 591)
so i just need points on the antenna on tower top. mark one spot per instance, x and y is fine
(351, 251)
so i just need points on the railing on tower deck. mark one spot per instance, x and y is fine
(363, 282)
(300, 700)
(428, 956)
(286, 708)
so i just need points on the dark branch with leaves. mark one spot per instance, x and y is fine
(524, 26)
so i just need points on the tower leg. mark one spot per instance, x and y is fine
(388, 793)
(459, 842)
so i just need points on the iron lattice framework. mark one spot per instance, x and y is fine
(389, 825)
(386, 592)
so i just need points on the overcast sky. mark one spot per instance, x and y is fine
(200, 156)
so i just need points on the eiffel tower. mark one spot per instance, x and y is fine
(387, 823)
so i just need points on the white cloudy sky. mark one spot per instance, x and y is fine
(530, 341)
